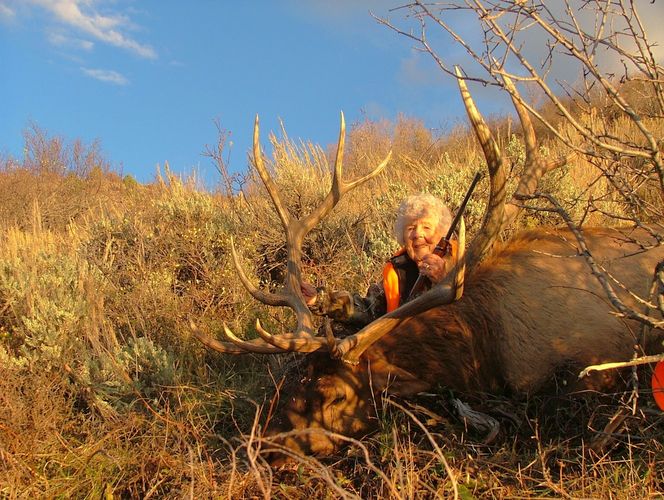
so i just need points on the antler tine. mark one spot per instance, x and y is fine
(256, 346)
(493, 216)
(353, 184)
(291, 343)
(267, 178)
(339, 159)
(343, 187)
(339, 187)
(534, 167)
(270, 299)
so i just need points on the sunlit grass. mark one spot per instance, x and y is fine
(104, 393)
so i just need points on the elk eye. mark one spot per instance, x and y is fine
(339, 399)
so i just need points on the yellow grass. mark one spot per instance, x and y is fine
(104, 393)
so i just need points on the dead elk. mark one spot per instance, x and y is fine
(530, 306)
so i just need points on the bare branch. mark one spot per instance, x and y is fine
(643, 360)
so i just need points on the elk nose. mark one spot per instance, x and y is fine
(277, 459)
(274, 454)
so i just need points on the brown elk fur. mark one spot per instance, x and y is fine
(531, 309)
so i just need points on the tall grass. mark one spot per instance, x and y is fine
(103, 392)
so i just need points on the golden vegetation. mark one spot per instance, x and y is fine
(103, 392)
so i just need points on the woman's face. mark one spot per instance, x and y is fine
(421, 236)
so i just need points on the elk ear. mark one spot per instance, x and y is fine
(394, 380)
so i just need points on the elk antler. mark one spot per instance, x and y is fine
(302, 339)
(495, 210)
(534, 166)
(258, 347)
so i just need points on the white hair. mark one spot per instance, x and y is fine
(420, 205)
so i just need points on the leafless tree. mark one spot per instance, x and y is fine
(592, 78)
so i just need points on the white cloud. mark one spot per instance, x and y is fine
(107, 28)
(418, 70)
(62, 40)
(375, 110)
(343, 16)
(6, 12)
(107, 76)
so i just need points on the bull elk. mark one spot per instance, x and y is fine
(530, 308)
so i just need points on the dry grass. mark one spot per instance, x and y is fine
(103, 392)
(422, 451)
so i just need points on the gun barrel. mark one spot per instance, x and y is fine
(462, 207)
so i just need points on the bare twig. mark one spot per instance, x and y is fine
(621, 364)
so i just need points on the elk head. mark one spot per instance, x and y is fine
(332, 392)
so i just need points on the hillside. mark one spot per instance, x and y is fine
(104, 391)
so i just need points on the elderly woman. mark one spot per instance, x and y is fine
(422, 220)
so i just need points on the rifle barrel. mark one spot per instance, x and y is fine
(462, 207)
(442, 244)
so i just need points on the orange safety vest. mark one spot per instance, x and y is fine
(391, 283)
(391, 279)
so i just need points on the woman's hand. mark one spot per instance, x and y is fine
(433, 267)
(309, 293)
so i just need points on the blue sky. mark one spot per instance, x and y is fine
(149, 78)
